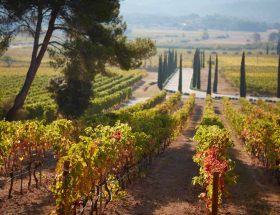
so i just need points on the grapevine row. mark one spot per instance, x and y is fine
(23, 146)
(106, 154)
(260, 131)
(110, 118)
(121, 85)
(216, 168)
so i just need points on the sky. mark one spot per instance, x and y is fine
(261, 10)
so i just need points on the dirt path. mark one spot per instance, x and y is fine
(167, 188)
(256, 191)
(148, 86)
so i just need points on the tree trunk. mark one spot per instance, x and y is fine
(34, 64)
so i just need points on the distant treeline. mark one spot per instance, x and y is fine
(196, 22)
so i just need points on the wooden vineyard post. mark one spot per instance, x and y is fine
(101, 203)
(12, 183)
(215, 194)
(21, 181)
(66, 166)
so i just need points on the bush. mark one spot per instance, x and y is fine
(71, 96)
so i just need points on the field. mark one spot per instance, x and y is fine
(261, 73)
(218, 40)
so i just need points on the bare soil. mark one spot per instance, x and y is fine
(148, 86)
(34, 201)
(167, 188)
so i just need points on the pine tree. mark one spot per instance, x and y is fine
(160, 75)
(209, 77)
(278, 47)
(215, 85)
(180, 87)
(198, 72)
(243, 77)
(278, 90)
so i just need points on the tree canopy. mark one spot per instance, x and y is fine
(93, 37)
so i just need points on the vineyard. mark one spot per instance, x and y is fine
(95, 164)
(93, 158)
(259, 128)
(107, 92)
(94, 120)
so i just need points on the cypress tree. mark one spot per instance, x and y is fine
(165, 70)
(160, 75)
(243, 77)
(267, 49)
(180, 75)
(198, 82)
(278, 90)
(194, 79)
(169, 63)
(215, 85)
(203, 61)
(209, 77)
(176, 60)
(201, 58)
(278, 47)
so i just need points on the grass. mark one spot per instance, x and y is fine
(261, 73)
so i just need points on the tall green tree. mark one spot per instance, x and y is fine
(278, 88)
(201, 58)
(278, 46)
(93, 34)
(215, 85)
(195, 67)
(165, 68)
(243, 77)
(176, 60)
(267, 49)
(198, 72)
(209, 87)
(203, 61)
(180, 85)
(160, 75)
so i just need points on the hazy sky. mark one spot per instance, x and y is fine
(263, 10)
